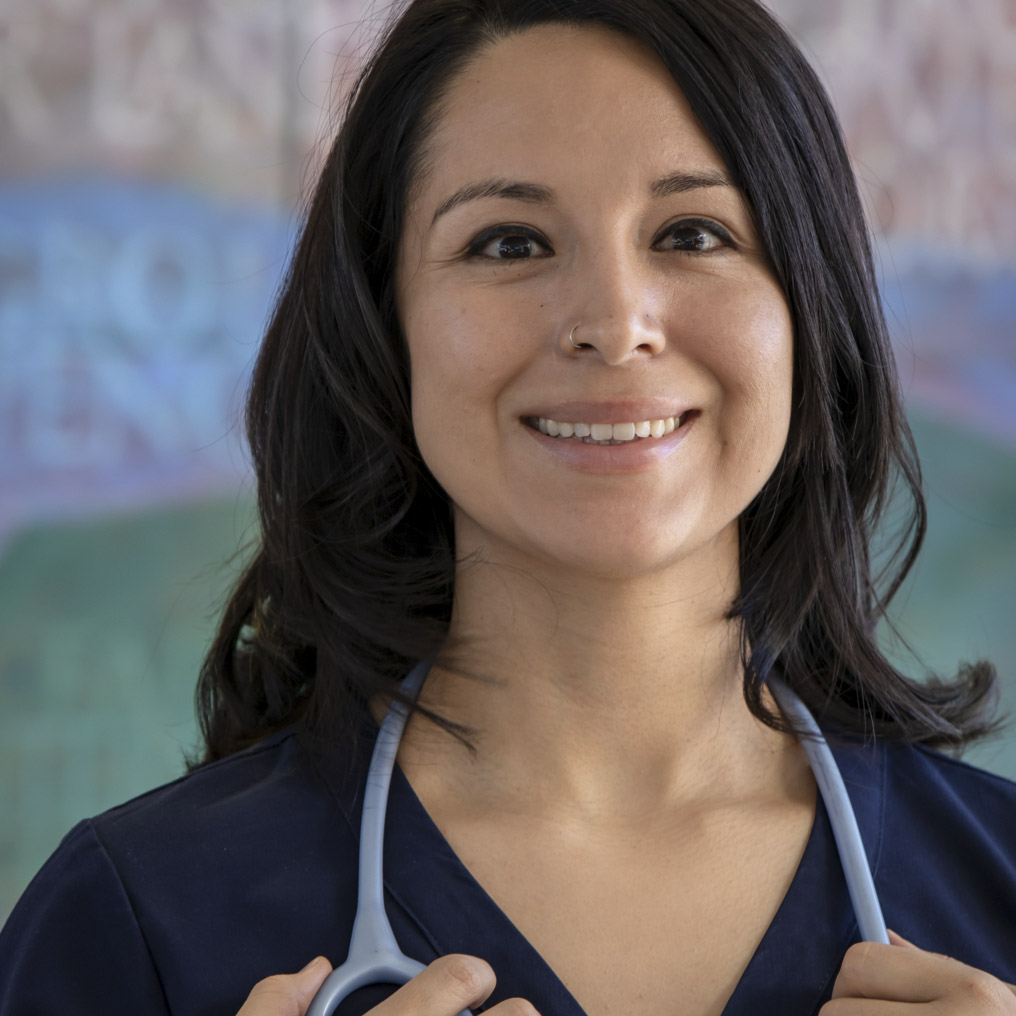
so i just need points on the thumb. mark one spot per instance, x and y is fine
(897, 939)
(312, 976)
(287, 994)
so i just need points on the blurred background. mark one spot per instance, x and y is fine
(153, 157)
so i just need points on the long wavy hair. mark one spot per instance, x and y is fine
(352, 577)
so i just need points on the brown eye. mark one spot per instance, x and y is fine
(693, 237)
(512, 247)
(507, 243)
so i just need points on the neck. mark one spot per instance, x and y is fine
(595, 698)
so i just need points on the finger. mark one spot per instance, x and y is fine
(287, 994)
(513, 1007)
(867, 1007)
(897, 939)
(894, 974)
(444, 988)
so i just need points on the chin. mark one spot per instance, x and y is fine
(621, 557)
(601, 543)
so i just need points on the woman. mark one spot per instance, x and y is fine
(578, 386)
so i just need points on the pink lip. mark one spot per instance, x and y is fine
(630, 457)
(615, 411)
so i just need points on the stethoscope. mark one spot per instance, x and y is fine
(374, 955)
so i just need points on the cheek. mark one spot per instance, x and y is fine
(762, 357)
(443, 360)
(436, 387)
(456, 373)
(756, 372)
(452, 339)
(465, 349)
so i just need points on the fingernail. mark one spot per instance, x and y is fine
(313, 963)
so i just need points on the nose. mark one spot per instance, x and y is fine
(617, 320)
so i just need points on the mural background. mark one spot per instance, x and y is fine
(153, 155)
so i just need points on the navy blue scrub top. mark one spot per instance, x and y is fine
(181, 900)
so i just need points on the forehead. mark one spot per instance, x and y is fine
(562, 101)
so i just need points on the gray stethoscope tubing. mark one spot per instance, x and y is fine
(374, 955)
(849, 845)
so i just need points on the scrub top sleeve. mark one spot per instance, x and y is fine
(72, 944)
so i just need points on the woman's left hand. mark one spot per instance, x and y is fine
(893, 980)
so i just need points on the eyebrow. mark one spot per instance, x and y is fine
(678, 183)
(533, 193)
(513, 189)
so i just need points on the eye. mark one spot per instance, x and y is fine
(693, 236)
(509, 243)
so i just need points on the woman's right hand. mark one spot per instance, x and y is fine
(444, 988)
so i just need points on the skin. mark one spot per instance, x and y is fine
(488, 337)
(574, 569)
(594, 584)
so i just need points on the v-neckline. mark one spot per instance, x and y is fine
(805, 940)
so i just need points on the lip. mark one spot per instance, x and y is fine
(630, 457)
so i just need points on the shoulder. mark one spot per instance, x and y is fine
(914, 800)
(76, 919)
(243, 841)
(916, 786)
(953, 825)
(186, 896)
(931, 790)
(941, 835)
(236, 810)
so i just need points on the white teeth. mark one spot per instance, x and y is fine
(608, 433)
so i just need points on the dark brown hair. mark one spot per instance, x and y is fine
(352, 577)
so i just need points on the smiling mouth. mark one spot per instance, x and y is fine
(609, 433)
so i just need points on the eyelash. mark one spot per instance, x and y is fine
(707, 226)
(488, 236)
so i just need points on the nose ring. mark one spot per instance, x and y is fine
(571, 337)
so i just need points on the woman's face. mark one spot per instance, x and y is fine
(567, 184)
